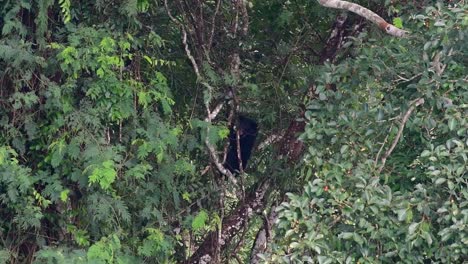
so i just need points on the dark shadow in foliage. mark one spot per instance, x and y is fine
(248, 130)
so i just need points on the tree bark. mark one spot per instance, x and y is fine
(263, 236)
(367, 14)
(231, 225)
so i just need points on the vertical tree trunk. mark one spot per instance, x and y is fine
(231, 225)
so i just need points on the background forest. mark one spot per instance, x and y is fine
(115, 118)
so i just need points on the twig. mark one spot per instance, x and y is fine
(245, 17)
(238, 146)
(205, 170)
(402, 79)
(263, 236)
(239, 243)
(220, 227)
(288, 58)
(226, 145)
(238, 128)
(376, 161)
(437, 65)
(233, 223)
(213, 25)
(405, 118)
(238, 259)
(218, 164)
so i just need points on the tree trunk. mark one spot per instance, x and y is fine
(231, 225)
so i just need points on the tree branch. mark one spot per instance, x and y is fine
(405, 118)
(263, 237)
(184, 41)
(213, 22)
(367, 14)
(211, 149)
(273, 138)
(231, 225)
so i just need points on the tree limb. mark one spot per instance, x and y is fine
(367, 14)
(263, 237)
(335, 40)
(184, 41)
(211, 148)
(273, 138)
(405, 118)
(231, 225)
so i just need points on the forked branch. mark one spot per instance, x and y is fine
(405, 118)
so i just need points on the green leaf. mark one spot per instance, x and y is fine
(324, 260)
(223, 133)
(104, 174)
(452, 123)
(412, 228)
(402, 214)
(148, 59)
(427, 236)
(425, 153)
(186, 197)
(64, 195)
(439, 181)
(199, 221)
(65, 6)
(4, 256)
(397, 22)
(58, 152)
(294, 245)
(346, 235)
(344, 149)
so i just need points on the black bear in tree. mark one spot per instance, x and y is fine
(248, 131)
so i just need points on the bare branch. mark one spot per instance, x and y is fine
(376, 161)
(437, 65)
(402, 79)
(405, 118)
(212, 115)
(245, 17)
(367, 14)
(270, 140)
(239, 153)
(210, 43)
(211, 148)
(184, 41)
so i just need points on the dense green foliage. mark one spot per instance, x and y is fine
(102, 134)
(90, 156)
(415, 209)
